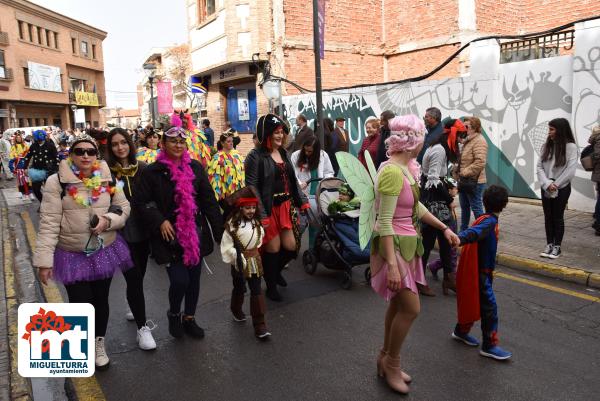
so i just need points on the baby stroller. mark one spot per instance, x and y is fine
(336, 244)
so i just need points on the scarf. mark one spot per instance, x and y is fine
(121, 171)
(185, 222)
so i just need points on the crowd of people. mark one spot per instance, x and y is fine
(110, 200)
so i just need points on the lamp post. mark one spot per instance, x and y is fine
(150, 70)
(272, 90)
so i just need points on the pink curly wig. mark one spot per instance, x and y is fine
(407, 134)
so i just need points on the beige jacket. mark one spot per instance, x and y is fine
(66, 224)
(473, 158)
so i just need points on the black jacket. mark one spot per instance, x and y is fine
(43, 157)
(381, 151)
(154, 196)
(260, 173)
(301, 136)
(134, 230)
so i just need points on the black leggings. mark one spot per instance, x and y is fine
(184, 283)
(95, 293)
(239, 283)
(430, 234)
(37, 189)
(554, 215)
(135, 281)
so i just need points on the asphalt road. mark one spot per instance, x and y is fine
(325, 341)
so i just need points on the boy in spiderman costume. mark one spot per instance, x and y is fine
(475, 296)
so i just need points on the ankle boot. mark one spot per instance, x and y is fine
(380, 371)
(237, 300)
(393, 374)
(449, 283)
(257, 310)
(425, 290)
(175, 325)
(270, 263)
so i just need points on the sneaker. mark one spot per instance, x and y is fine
(19, 195)
(262, 333)
(238, 316)
(32, 196)
(555, 252)
(547, 251)
(191, 327)
(175, 326)
(144, 337)
(102, 360)
(495, 352)
(129, 315)
(465, 338)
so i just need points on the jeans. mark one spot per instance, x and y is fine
(470, 201)
(95, 293)
(554, 215)
(135, 281)
(430, 234)
(597, 210)
(184, 283)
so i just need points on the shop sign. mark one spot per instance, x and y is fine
(86, 98)
(231, 73)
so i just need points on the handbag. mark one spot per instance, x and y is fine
(586, 158)
(467, 185)
(37, 175)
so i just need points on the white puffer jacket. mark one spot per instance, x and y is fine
(66, 224)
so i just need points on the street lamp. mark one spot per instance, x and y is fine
(150, 70)
(272, 90)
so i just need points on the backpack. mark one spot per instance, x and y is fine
(586, 158)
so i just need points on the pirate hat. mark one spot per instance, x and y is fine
(267, 124)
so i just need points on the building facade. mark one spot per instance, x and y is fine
(172, 67)
(366, 42)
(51, 68)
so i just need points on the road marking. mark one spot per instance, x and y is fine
(539, 284)
(86, 388)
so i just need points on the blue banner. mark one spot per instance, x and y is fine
(198, 85)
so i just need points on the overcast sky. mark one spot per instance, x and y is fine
(134, 27)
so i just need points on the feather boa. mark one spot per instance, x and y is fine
(185, 222)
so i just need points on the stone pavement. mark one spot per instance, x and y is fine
(522, 238)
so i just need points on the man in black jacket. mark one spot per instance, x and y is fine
(42, 161)
(385, 134)
(304, 131)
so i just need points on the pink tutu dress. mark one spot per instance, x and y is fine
(408, 246)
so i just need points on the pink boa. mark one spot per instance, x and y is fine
(185, 222)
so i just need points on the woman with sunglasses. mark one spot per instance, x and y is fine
(77, 242)
(226, 170)
(127, 169)
(178, 205)
(270, 171)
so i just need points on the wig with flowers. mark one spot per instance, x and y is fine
(407, 135)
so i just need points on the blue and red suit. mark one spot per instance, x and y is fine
(474, 294)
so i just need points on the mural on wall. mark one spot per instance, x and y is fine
(515, 104)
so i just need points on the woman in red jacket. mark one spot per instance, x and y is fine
(371, 142)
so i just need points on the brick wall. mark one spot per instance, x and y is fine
(413, 64)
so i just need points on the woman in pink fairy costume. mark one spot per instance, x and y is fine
(396, 246)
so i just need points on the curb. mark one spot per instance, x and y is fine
(565, 273)
(20, 387)
(83, 388)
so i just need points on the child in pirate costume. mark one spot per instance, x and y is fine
(474, 293)
(242, 238)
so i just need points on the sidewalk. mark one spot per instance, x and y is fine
(522, 238)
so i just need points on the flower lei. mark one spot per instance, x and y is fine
(93, 185)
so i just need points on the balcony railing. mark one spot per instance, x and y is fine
(8, 75)
(3, 38)
(537, 47)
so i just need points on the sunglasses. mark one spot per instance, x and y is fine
(175, 132)
(85, 151)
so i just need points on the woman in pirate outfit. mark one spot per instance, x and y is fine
(270, 171)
